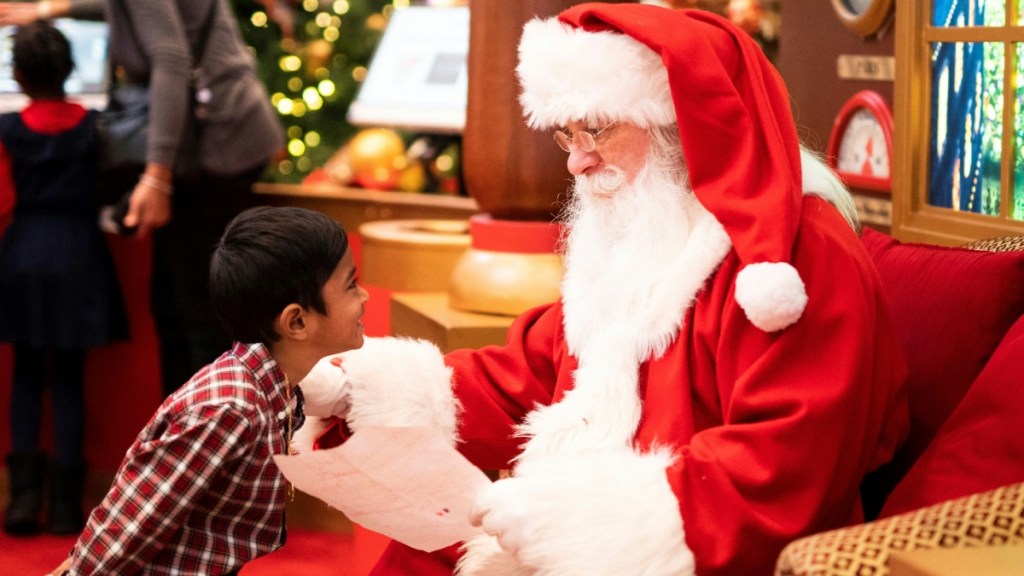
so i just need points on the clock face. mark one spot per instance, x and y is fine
(865, 17)
(863, 149)
(860, 145)
(857, 6)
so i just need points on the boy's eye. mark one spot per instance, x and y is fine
(354, 284)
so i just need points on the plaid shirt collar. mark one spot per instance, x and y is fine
(272, 385)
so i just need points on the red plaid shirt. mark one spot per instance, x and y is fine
(198, 491)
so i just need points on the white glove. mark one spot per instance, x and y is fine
(600, 514)
(325, 390)
(502, 509)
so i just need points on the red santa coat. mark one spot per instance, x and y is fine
(773, 431)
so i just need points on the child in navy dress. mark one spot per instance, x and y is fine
(59, 295)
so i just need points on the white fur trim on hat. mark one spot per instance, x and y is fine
(568, 74)
(771, 294)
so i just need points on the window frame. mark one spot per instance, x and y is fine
(913, 219)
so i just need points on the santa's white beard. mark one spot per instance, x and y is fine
(636, 255)
(619, 244)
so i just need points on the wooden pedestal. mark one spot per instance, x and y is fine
(427, 315)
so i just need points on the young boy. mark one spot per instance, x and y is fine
(198, 491)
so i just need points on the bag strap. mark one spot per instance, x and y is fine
(204, 34)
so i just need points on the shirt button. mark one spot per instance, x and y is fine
(282, 415)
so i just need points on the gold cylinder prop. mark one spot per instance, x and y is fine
(412, 255)
(515, 174)
(510, 267)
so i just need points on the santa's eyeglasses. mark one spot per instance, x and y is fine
(584, 140)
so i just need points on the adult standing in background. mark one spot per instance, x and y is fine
(151, 43)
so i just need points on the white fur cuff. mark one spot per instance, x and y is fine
(325, 390)
(602, 514)
(401, 382)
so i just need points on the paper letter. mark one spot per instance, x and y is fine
(406, 483)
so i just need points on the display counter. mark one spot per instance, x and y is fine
(355, 206)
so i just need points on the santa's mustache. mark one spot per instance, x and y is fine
(603, 184)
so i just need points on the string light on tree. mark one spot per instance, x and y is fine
(312, 56)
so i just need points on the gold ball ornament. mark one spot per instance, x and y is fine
(315, 55)
(413, 178)
(447, 169)
(377, 158)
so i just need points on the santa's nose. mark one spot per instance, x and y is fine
(579, 161)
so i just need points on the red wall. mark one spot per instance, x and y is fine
(122, 379)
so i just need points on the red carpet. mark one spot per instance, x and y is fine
(307, 552)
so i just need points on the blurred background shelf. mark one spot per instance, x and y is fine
(355, 206)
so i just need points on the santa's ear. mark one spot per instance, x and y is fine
(293, 323)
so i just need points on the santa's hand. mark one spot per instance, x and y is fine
(401, 382)
(601, 514)
(326, 390)
(502, 510)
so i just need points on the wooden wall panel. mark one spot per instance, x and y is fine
(812, 39)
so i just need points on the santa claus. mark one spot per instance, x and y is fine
(720, 372)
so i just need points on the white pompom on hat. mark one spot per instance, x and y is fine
(652, 66)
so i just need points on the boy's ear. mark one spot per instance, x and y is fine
(293, 323)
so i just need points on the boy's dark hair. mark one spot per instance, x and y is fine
(42, 58)
(267, 259)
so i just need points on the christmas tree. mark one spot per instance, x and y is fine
(312, 56)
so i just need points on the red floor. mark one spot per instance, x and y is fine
(307, 552)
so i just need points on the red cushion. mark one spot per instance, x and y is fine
(951, 307)
(981, 446)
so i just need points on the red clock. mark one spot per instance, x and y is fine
(860, 146)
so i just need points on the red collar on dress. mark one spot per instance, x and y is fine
(52, 116)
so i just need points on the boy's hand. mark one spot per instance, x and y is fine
(60, 569)
(326, 390)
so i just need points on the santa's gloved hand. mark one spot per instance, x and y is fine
(606, 513)
(502, 510)
(326, 391)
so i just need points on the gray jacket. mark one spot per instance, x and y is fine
(241, 130)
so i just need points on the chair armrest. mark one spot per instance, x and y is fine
(992, 518)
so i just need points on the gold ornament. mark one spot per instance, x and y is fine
(413, 178)
(377, 157)
(446, 168)
(316, 53)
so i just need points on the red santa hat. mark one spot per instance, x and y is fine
(652, 66)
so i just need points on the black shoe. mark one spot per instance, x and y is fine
(65, 516)
(25, 477)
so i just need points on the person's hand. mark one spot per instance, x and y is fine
(150, 205)
(503, 510)
(610, 512)
(326, 391)
(60, 569)
(282, 14)
(18, 13)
